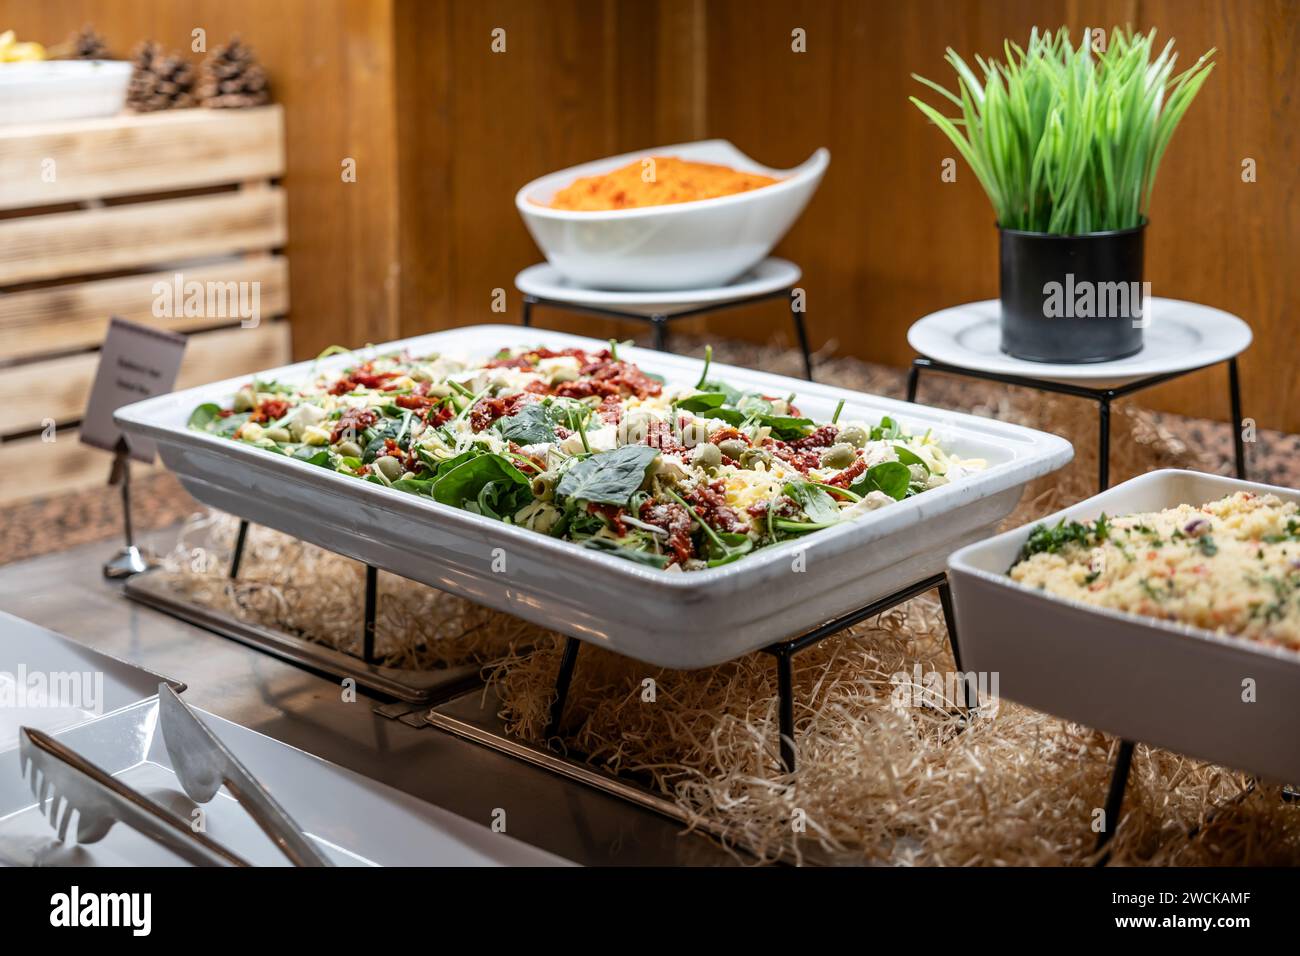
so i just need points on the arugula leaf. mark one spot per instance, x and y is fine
(891, 477)
(814, 502)
(609, 478)
(465, 481)
(605, 546)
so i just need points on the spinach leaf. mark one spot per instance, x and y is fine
(730, 546)
(702, 402)
(415, 486)
(887, 430)
(815, 502)
(891, 477)
(909, 457)
(465, 481)
(315, 456)
(609, 478)
(531, 425)
(730, 395)
(606, 546)
(201, 418)
(787, 428)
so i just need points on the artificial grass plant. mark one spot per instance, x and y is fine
(1067, 139)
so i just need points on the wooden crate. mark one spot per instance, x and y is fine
(94, 215)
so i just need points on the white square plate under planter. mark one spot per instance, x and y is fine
(353, 820)
(1143, 679)
(682, 620)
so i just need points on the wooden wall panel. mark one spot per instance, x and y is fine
(444, 132)
(330, 67)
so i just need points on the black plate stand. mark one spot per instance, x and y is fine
(783, 652)
(1103, 397)
(659, 321)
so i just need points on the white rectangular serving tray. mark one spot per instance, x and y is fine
(354, 821)
(1158, 682)
(682, 620)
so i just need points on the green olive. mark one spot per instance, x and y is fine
(753, 456)
(839, 455)
(733, 448)
(245, 400)
(854, 435)
(390, 466)
(707, 455)
(543, 487)
(278, 434)
(348, 449)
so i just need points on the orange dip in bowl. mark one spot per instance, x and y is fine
(668, 180)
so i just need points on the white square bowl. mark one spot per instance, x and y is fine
(1143, 679)
(683, 620)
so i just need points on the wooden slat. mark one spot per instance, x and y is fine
(32, 468)
(130, 155)
(141, 234)
(57, 389)
(68, 317)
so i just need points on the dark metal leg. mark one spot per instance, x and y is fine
(528, 312)
(1115, 796)
(1234, 391)
(1103, 445)
(368, 625)
(785, 709)
(970, 695)
(562, 681)
(801, 333)
(913, 380)
(238, 556)
(660, 323)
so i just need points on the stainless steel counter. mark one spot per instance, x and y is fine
(66, 593)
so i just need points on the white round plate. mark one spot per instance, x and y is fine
(1179, 336)
(545, 281)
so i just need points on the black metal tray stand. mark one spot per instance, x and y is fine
(1103, 397)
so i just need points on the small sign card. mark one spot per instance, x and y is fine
(135, 363)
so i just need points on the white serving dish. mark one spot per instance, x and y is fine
(1139, 678)
(545, 281)
(354, 821)
(48, 90)
(670, 619)
(687, 245)
(1180, 336)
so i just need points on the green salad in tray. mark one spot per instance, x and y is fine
(583, 445)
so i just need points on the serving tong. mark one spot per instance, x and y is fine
(62, 781)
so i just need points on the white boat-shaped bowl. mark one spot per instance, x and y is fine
(690, 245)
(1143, 679)
(669, 619)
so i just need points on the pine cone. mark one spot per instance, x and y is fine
(159, 81)
(88, 45)
(231, 78)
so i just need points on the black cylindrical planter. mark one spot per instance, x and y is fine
(1072, 299)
